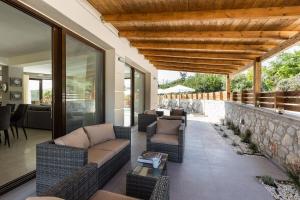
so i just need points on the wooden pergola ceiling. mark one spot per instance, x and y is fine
(215, 36)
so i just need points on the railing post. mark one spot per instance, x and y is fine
(242, 96)
(221, 95)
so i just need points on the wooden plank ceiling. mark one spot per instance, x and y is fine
(206, 36)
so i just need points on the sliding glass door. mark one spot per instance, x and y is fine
(84, 84)
(59, 75)
(26, 60)
(139, 94)
(134, 95)
(128, 96)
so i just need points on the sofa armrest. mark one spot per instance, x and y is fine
(122, 132)
(79, 186)
(161, 189)
(49, 154)
(151, 130)
(55, 162)
(181, 134)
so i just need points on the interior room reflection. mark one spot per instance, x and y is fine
(25, 91)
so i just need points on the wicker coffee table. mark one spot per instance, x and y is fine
(141, 180)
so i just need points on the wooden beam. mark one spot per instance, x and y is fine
(186, 69)
(293, 40)
(208, 34)
(247, 13)
(196, 66)
(199, 55)
(197, 60)
(235, 41)
(199, 46)
(234, 67)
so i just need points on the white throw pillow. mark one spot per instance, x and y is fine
(100, 133)
(76, 138)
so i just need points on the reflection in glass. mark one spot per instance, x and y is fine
(25, 54)
(139, 94)
(127, 96)
(84, 66)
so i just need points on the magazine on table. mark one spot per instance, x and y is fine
(148, 157)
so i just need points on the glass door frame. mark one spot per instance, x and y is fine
(58, 53)
(133, 70)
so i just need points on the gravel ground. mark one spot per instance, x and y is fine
(285, 190)
(234, 140)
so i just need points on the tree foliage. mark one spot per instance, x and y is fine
(242, 82)
(200, 82)
(286, 66)
(281, 74)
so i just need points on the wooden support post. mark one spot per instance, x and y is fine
(256, 80)
(228, 87)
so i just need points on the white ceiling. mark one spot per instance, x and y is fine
(21, 34)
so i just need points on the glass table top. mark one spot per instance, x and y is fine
(143, 169)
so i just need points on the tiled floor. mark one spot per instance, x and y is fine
(211, 169)
(19, 159)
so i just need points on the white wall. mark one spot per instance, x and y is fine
(80, 17)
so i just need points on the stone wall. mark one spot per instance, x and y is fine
(277, 136)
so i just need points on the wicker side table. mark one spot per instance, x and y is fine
(141, 180)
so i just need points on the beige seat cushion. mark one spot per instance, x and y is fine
(170, 127)
(99, 156)
(165, 139)
(105, 195)
(115, 145)
(100, 133)
(173, 117)
(43, 198)
(76, 138)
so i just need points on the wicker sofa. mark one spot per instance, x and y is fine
(167, 136)
(147, 118)
(60, 158)
(82, 185)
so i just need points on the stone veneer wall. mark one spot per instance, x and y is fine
(277, 136)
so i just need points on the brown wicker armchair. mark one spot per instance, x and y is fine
(179, 112)
(147, 118)
(170, 140)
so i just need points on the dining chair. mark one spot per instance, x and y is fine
(18, 118)
(12, 106)
(4, 122)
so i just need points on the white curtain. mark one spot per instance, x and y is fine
(26, 90)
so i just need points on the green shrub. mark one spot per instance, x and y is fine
(295, 178)
(268, 180)
(289, 84)
(236, 130)
(253, 147)
(225, 135)
(246, 138)
(234, 144)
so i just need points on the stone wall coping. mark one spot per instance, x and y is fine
(267, 111)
